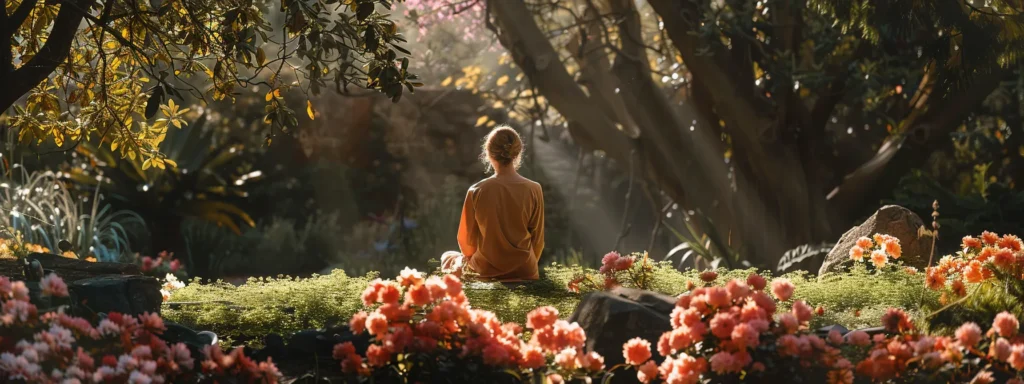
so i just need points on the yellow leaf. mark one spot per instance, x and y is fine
(146, 164)
(277, 93)
(261, 56)
(502, 80)
(110, 45)
(171, 163)
(309, 110)
(270, 95)
(113, 145)
(446, 81)
(481, 121)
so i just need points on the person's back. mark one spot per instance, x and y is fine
(501, 232)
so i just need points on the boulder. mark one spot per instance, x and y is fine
(610, 319)
(132, 295)
(67, 268)
(891, 220)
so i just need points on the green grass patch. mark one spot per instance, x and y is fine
(243, 314)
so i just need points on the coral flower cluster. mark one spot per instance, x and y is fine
(981, 259)
(56, 348)
(876, 249)
(430, 318)
(716, 331)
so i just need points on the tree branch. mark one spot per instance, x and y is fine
(532, 51)
(18, 17)
(931, 130)
(751, 116)
(49, 57)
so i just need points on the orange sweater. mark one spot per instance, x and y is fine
(502, 228)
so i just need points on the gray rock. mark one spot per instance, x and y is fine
(891, 220)
(126, 294)
(612, 318)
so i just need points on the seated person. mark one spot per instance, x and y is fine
(501, 233)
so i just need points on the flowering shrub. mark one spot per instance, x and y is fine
(876, 250)
(56, 348)
(162, 265)
(982, 259)
(424, 329)
(616, 270)
(735, 333)
(170, 284)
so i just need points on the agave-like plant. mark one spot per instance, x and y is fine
(208, 180)
(41, 207)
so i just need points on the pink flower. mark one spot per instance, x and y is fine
(859, 338)
(718, 297)
(53, 285)
(722, 362)
(5, 286)
(175, 265)
(647, 372)
(358, 322)
(624, 263)
(1000, 349)
(756, 281)
(609, 262)
(495, 355)
(878, 258)
(971, 242)
(409, 277)
(722, 325)
(1006, 324)
(148, 264)
(865, 242)
(968, 334)
(737, 289)
(835, 337)
(533, 358)
(895, 320)
(857, 253)
(453, 285)
(376, 324)
(1016, 359)
(802, 311)
(709, 276)
(152, 322)
(592, 361)
(892, 247)
(989, 238)
(19, 291)
(418, 295)
(1003, 258)
(1011, 242)
(566, 359)
(782, 289)
(541, 317)
(745, 336)
(636, 351)
(377, 356)
(788, 322)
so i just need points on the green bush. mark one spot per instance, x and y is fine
(283, 305)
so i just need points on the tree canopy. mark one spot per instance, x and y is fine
(743, 111)
(120, 71)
